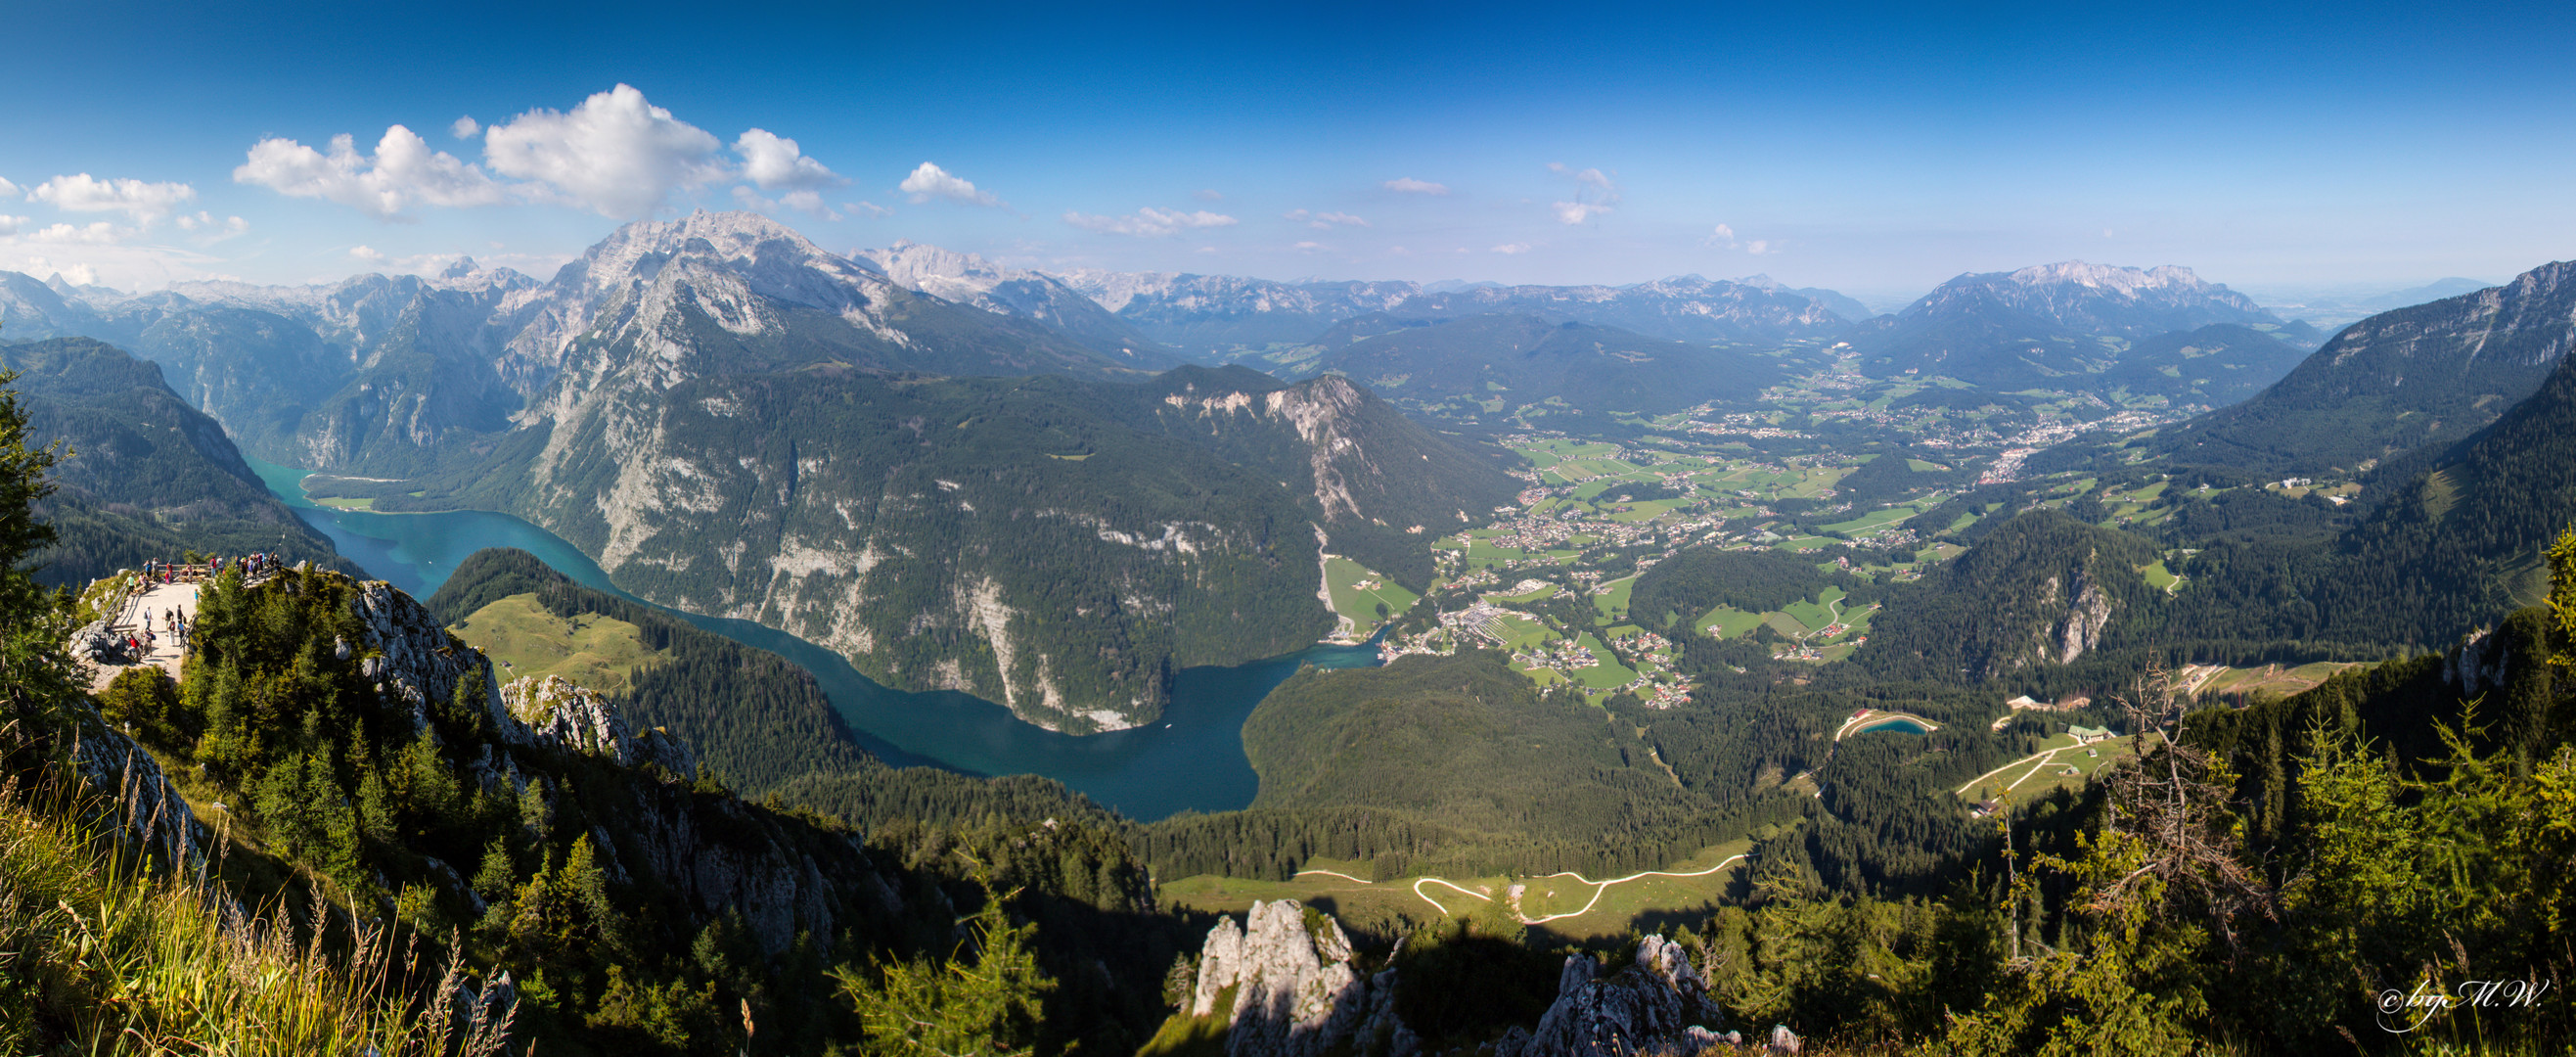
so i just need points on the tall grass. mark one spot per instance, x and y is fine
(106, 947)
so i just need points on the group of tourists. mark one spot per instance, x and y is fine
(139, 643)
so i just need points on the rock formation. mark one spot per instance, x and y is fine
(1288, 982)
(1657, 1006)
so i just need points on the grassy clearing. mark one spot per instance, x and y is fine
(346, 503)
(1727, 623)
(2269, 679)
(591, 650)
(2159, 577)
(1343, 577)
(1874, 519)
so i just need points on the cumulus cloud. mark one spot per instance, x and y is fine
(1757, 247)
(1150, 222)
(367, 253)
(8, 189)
(774, 162)
(9, 225)
(1204, 194)
(1722, 235)
(145, 202)
(402, 172)
(1511, 248)
(616, 154)
(1594, 194)
(1411, 186)
(930, 181)
(1324, 221)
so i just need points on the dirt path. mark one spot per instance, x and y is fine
(166, 653)
(1599, 887)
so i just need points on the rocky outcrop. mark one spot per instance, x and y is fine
(93, 642)
(2080, 628)
(413, 659)
(1659, 1005)
(1288, 983)
(558, 713)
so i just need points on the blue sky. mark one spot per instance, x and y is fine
(1877, 150)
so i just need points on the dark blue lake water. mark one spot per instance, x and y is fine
(1192, 759)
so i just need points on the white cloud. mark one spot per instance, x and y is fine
(145, 202)
(1310, 246)
(867, 209)
(1511, 248)
(9, 225)
(1204, 194)
(8, 189)
(930, 181)
(1411, 186)
(403, 172)
(464, 128)
(1324, 221)
(1594, 194)
(98, 233)
(210, 230)
(1757, 247)
(367, 253)
(1722, 235)
(774, 162)
(1150, 222)
(615, 154)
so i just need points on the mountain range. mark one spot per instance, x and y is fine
(2075, 324)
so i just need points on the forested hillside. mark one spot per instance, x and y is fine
(148, 477)
(2422, 376)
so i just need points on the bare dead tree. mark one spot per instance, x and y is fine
(2172, 798)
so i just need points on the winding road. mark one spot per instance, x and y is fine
(1599, 888)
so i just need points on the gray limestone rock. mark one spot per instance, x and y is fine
(1296, 987)
(1659, 1005)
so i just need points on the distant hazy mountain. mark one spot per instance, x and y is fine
(2396, 381)
(1458, 368)
(2333, 309)
(1683, 307)
(2038, 325)
(971, 280)
(1220, 316)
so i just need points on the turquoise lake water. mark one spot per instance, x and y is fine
(1900, 726)
(1191, 759)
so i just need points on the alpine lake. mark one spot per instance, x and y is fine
(1190, 759)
